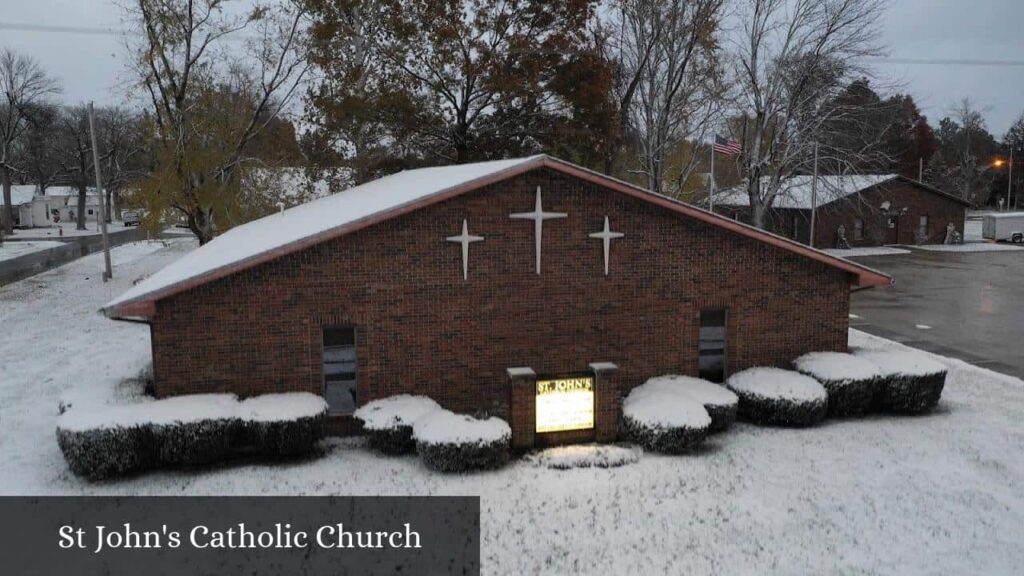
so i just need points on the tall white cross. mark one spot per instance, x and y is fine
(538, 216)
(607, 236)
(465, 239)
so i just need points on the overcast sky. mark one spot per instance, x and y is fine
(91, 66)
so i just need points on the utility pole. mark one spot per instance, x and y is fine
(107, 274)
(711, 194)
(814, 195)
(1009, 183)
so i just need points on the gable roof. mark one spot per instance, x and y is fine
(20, 194)
(297, 228)
(796, 191)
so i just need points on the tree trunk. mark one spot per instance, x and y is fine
(80, 220)
(8, 215)
(201, 224)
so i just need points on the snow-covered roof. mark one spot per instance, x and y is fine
(314, 218)
(302, 226)
(797, 191)
(20, 194)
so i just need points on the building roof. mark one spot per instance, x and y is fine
(797, 191)
(297, 228)
(20, 194)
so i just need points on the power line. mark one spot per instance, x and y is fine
(59, 29)
(946, 62)
(21, 27)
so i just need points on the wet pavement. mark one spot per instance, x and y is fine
(966, 305)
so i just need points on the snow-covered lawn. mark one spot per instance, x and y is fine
(9, 250)
(937, 494)
(869, 251)
(970, 247)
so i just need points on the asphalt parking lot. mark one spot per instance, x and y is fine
(967, 305)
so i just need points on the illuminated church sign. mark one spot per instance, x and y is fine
(565, 404)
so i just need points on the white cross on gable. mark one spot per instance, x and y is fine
(606, 236)
(465, 239)
(538, 216)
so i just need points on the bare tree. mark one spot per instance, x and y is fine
(36, 152)
(669, 49)
(793, 58)
(23, 84)
(74, 155)
(199, 145)
(968, 177)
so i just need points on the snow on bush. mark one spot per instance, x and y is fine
(450, 442)
(388, 422)
(586, 456)
(851, 382)
(909, 382)
(721, 403)
(101, 453)
(284, 425)
(662, 419)
(102, 442)
(777, 397)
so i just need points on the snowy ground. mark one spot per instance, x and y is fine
(938, 494)
(9, 250)
(869, 251)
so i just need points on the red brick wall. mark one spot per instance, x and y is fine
(422, 329)
(900, 194)
(865, 207)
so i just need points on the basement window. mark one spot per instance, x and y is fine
(711, 343)
(339, 366)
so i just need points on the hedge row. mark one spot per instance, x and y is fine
(188, 430)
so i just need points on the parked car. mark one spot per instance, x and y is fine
(1008, 226)
(131, 217)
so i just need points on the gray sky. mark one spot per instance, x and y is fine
(91, 66)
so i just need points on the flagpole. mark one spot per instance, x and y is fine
(814, 196)
(711, 194)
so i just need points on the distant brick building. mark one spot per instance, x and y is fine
(479, 285)
(873, 210)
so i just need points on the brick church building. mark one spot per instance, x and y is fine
(487, 286)
(865, 209)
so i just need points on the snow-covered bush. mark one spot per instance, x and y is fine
(450, 442)
(388, 422)
(586, 456)
(721, 403)
(910, 382)
(106, 452)
(284, 425)
(777, 397)
(663, 420)
(106, 441)
(851, 382)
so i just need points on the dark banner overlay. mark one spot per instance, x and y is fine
(239, 535)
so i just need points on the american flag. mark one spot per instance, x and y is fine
(727, 147)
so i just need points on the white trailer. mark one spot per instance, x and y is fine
(1008, 226)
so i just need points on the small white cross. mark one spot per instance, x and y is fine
(465, 239)
(607, 236)
(538, 216)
